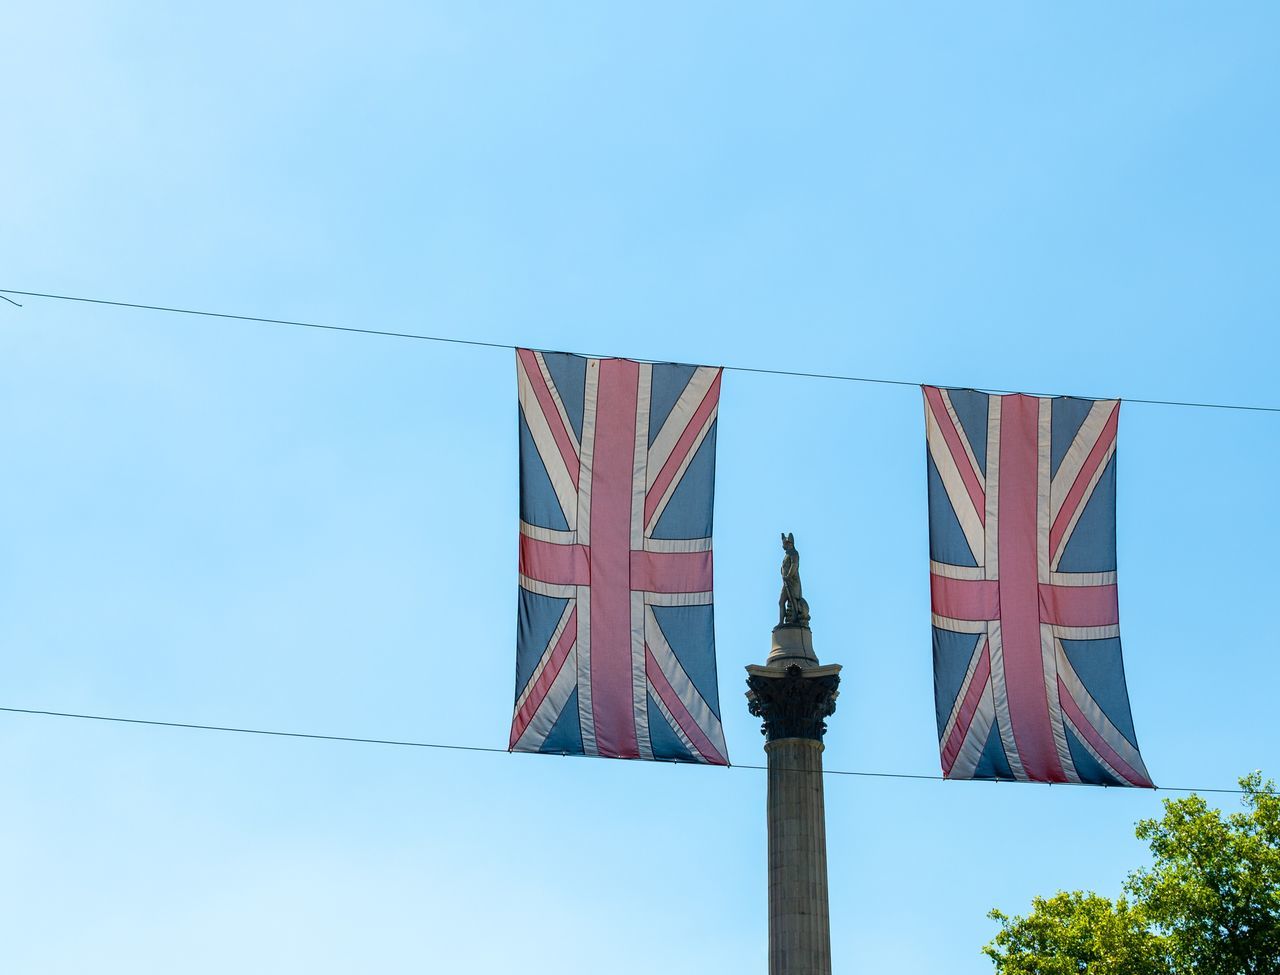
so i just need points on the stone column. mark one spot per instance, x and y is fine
(792, 693)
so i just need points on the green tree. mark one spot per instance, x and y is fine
(1073, 933)
(1214, 885)
(1209, 903)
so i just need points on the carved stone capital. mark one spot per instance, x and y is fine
(794, 702)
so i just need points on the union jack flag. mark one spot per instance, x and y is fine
(1028, 677)
(615, 646)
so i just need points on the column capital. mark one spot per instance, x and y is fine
(793, 701)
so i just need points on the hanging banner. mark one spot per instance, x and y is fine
(1028, 677)
(615, 645)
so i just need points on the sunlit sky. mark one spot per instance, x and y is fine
(219, 522)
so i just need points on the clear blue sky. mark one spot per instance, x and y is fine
(217, 522)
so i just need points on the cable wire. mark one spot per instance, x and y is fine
(258, 320)
(402, 743)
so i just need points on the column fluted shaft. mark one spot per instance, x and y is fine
(799, 917)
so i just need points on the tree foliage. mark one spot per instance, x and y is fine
(1208, 904)
(1072, 933)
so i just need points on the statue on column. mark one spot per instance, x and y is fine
(792, 608)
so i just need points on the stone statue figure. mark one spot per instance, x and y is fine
(792, 608)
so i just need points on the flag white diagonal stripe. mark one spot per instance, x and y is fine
(1000, 692)
(685, 740)
(963, 692)
(1088, 434)
(544, 718)
(677, 420)
(964, 438)
(953, 482)
(1094, 478)
(976, 739)
(685, 460)
(1095, 715)
(680, 682)
(546, 656)
(548, 450)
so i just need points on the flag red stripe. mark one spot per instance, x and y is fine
(681, 449)
(1096, 740)
(977, 494)
(1019, 589)
(1079, 605)
(965, 599)
(565, 565)
(959, 731)
(671, 571)
(1076, 493)
(552, 412)
(548, 677)
(612, 474)
(678, 711)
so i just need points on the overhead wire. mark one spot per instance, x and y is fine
(454, 340)
(441, 746)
